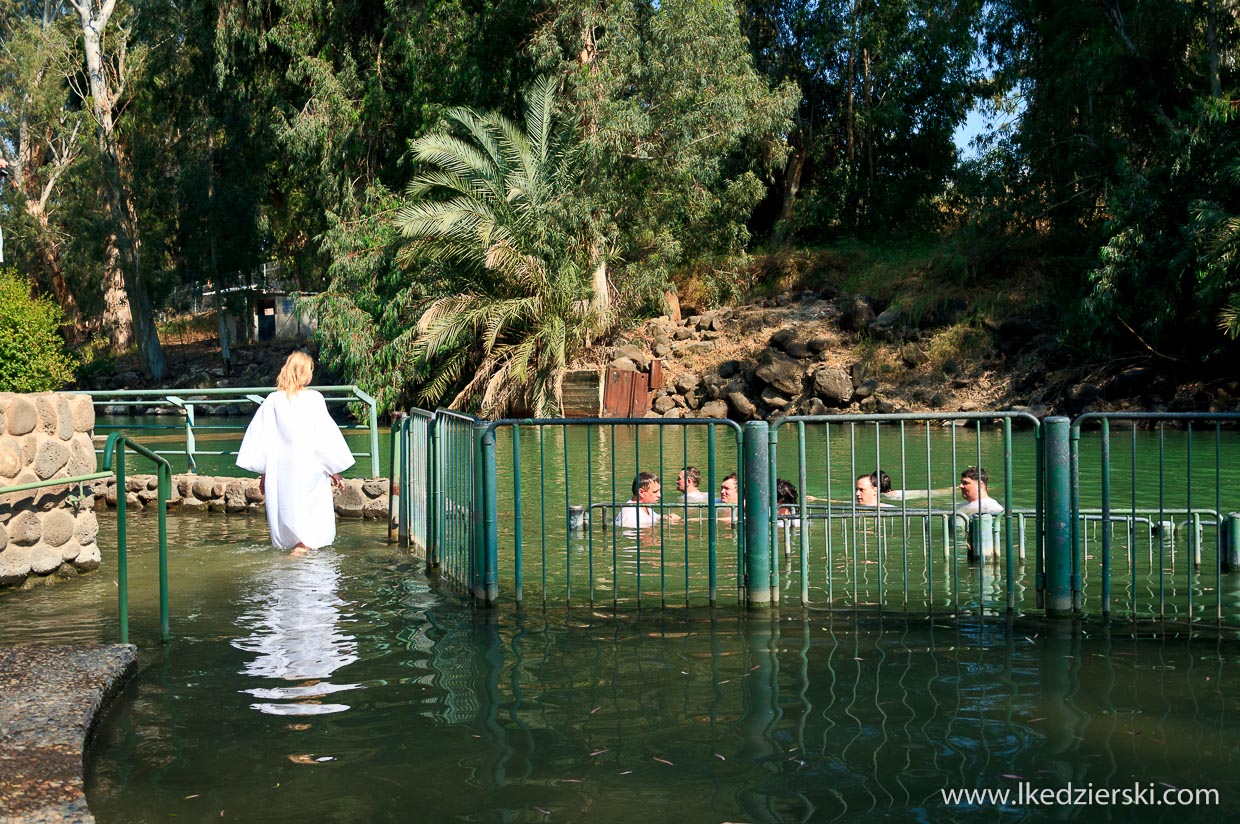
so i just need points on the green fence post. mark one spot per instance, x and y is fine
(486, 538)
(164, 474)
(122, 547)
(1059, 518)
(1231, 542)
(756, 514)
(433, 533)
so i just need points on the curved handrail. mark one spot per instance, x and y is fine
(116, 445)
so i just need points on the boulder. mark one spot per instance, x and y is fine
(775, 399)
(686, 382)
(14, 565)
(856, 313)
(780, 371)
(742, 406)
(10, 459)
(833, 386)
(866, 389)
(814, 406)
(86, 527)
(44, 559)
(88, 558)
(664, 404)
(713, 409)
(83, 413)
(25, 528)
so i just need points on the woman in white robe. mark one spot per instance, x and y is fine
(298, 451)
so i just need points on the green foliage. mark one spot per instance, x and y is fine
(32, 353)
(679, 131)
(1168, 266)
(883, 87)
(491, 220)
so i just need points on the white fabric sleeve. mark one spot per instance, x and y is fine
(252, 455)
(332, 451)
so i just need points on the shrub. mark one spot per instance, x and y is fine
(32, 352)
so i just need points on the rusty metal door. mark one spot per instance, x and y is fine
(626, 394)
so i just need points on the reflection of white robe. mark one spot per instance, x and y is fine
(297, 446)
(295, 631)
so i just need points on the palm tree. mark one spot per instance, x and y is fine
(520, 283)
(1221, 231)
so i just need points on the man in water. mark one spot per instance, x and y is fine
(688, 481)
(639, 511)
(973, 489)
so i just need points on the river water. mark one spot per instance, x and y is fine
(346, 686)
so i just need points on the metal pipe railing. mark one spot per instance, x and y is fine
(187, 400)
(117, 443)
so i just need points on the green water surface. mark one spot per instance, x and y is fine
(344, 686)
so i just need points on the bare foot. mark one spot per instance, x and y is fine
(299, 550)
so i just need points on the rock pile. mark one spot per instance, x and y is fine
(204, 493)
(790, 375)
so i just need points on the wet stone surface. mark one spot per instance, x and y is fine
(49, 699)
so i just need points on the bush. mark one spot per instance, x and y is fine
(32, 352)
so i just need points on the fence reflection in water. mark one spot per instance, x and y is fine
(801, 720)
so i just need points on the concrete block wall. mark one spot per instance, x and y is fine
(47, 533)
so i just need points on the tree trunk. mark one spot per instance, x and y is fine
(1216, 82)
(117, 317)
(125, 238)
(792, 186)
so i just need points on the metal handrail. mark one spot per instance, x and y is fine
(186, 400)
(117, 442)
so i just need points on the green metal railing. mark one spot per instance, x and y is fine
(524, 508)
(579, 485)
(904, 533)
(117, 443)
(1156, 504)
(412, 476)
(186, 401)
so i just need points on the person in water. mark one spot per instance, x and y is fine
(298, 452)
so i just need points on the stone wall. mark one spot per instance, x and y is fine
(46, 533)
(204, 493)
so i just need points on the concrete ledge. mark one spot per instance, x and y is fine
(49, 699)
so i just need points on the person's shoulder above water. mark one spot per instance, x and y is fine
(988, 506)
(696, 496)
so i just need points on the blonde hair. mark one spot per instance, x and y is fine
(296, 373)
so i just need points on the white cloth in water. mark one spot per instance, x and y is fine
(294, 442)
(633, 516)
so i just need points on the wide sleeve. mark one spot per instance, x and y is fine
(252, 455)
(333, 453)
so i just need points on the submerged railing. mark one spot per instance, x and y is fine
(186, 402)
(524, 509)
(1191, 478)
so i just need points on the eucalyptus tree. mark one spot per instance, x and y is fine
(883, 88)
(110, 69)
(45, 138)
(491, 219)
(679, 131)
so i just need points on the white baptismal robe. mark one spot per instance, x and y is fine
(294, 442)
